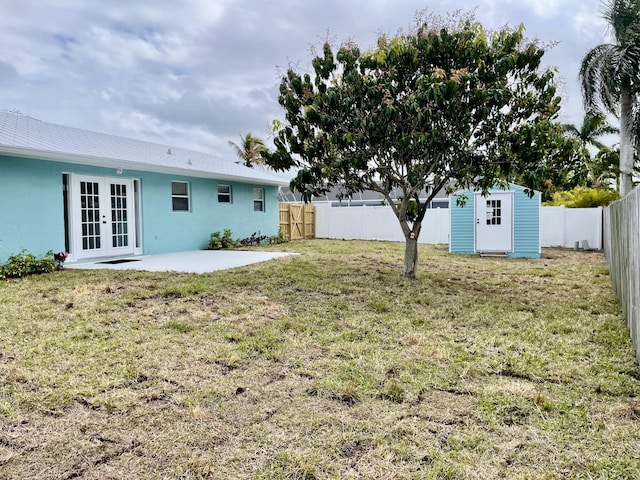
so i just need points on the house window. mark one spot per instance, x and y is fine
(224, 193)
(180, 196)
(258, 200)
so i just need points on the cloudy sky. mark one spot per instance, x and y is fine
(197, 73)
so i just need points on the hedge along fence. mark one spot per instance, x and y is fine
(621, 234)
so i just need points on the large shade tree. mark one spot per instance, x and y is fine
(445, 106)
(610, 79)
(563, 166)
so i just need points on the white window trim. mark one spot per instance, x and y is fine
(230, 194)
(261, 199)
(187, 196)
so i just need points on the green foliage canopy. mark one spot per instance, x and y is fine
(581, 197)
(435, 108)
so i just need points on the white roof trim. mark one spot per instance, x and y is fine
(25, 137)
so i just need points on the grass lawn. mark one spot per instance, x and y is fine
(326, 365)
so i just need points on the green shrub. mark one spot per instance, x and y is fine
(281, 237)
(26, 263)
(581, 197)
(218, 241)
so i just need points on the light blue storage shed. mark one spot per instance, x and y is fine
(502, 222)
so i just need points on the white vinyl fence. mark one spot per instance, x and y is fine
(559, 226)
(563, 227)
(377, 223)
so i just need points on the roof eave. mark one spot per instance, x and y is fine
(77, 159)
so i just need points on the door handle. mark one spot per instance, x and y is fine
(104, 219)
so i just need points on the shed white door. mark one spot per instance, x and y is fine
(103, 222)
(494, 222)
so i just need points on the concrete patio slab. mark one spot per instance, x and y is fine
(197, 261)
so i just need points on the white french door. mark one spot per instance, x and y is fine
(103, 216)
(494, 222)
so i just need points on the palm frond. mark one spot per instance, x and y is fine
(622, 17)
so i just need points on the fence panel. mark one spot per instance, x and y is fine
(622, 250)
(309, 218)
(563, 227)
(377, 223)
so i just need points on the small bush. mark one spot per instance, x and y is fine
(26, 263)
(253, 239)
(218, 241)
(280, 238)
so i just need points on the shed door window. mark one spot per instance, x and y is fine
(258, 200)
(180, 196)
(494, 212)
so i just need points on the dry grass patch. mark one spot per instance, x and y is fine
(323, 365)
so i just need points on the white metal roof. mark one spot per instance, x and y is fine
(23, 136)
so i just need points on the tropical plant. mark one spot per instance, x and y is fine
(448, 105)
(224, 240)
(594, 125)
(581, 197)
(26, 263)
(249, 149)
(610, 75)
(281, 237)
(601, 169)
(604, 168)
(254, 239)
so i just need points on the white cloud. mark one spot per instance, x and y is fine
(199, 72)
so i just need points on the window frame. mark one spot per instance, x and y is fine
(228, 194)
(259, 201)
(176, 196)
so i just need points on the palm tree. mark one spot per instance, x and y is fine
(609, 76)
(594, 125)
(599, 171)
(249, 149)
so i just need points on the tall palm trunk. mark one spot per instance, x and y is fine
(626, 145)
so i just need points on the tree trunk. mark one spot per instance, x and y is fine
(410, 256)
(626, 146)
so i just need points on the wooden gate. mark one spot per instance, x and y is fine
(298, 220)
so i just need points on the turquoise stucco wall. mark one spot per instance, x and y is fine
(526, 224)
(31, 207)
(32, 213)
(167, 231)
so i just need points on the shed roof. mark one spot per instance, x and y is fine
(24, 136)
(495, 189)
